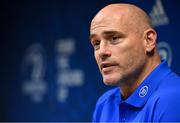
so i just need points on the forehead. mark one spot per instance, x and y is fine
(112, 20)
(107, 33)
(109, 25)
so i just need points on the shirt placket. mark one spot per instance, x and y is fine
(122, 111)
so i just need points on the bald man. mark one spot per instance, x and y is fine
(125, 50)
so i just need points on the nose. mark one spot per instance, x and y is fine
(104, 51)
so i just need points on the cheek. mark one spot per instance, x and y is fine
(96, 57)
(136, 57)
(128, 55)
(123, 53)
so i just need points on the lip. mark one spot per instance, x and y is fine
(107, 66)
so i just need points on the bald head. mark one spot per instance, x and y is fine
(127, 13)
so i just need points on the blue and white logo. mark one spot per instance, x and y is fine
(165, 52)
(143, 91)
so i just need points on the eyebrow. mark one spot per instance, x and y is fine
(111, 32)
(91, 36)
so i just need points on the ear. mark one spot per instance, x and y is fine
(150, 39)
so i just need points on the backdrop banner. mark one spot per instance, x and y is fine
(48, 71)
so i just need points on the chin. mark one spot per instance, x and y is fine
(110, 81)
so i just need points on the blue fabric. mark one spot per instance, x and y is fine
(156, 99)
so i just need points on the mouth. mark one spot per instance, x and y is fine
(107, 66)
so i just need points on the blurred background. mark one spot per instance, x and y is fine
(48, 71)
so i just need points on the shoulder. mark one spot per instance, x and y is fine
(173, 77)
(168, 106)
(170, 86)
(111, 93)
(168, 99)
(169, 90)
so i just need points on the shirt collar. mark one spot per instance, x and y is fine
(148, 86)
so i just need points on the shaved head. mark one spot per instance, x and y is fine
(131, 15)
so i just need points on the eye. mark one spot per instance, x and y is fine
(96, 44)
(114, 39)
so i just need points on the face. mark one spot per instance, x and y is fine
(119, 50)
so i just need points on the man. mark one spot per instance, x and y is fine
(125, 49)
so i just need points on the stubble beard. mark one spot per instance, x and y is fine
(132, 76)
(128, 78)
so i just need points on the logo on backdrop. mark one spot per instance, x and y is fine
(165, 52)
(33, 71)
(34, 67)
(158, 15)
(66, 77)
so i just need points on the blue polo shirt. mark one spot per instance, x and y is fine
(156, 99)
